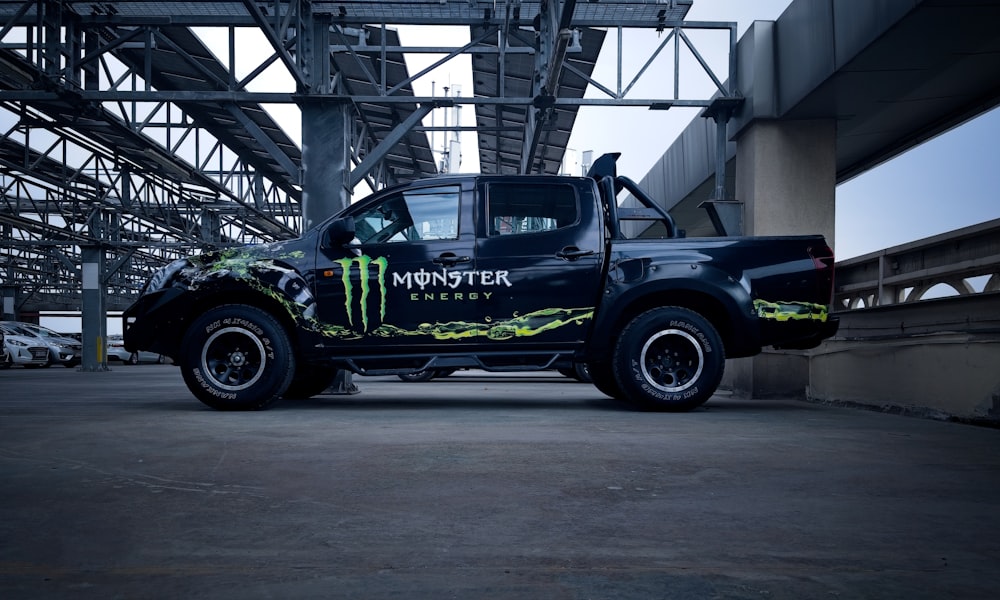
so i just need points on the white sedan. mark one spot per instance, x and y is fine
(24, 350)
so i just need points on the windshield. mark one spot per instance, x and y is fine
(13, 329)
(41, 331)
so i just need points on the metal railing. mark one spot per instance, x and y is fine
(962, 260)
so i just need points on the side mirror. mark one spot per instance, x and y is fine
(341, 231)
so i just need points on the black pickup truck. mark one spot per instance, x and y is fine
(497, 272)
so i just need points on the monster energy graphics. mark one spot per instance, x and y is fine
(361, 322)
(451, 279)
(364, 264)
(790, 311)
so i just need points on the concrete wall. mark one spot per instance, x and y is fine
(952, 374)
(895, 358)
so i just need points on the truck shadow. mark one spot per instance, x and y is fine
(362, 402)
(590, 400)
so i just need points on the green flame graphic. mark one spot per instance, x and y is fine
(790, 311)
(363, 263)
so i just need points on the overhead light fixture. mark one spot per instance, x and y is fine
(574, 42)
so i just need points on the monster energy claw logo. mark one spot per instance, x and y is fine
(364, 263)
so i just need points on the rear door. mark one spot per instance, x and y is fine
(539, 248)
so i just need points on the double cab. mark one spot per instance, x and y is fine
(496, 272)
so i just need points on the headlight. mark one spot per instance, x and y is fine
(17, 343)
(163, 275)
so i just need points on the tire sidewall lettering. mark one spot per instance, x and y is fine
(657, 393)
(211, 389)
(235, 322)
(248, 326)
(694, 330)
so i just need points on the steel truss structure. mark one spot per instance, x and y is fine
(121, 131)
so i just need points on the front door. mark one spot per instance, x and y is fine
(395, 285)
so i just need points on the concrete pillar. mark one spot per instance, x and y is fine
(786, 177)
(94, 317)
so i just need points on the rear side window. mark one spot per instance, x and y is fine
(519, 208)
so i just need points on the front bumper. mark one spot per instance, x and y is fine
(154, 322)
(66, 356)
(29, 355)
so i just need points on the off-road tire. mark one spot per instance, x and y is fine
(418, 376)
(668, 359)
(604, 380)
(237, 357)
(579, 372)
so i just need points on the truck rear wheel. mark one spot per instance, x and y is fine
(237, 357)
(668, 359)
(604, 380)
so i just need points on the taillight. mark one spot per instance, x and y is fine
(823, 260)
(822, 256)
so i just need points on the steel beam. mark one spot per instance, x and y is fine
(375, 156)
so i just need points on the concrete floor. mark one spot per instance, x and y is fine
(121, 485)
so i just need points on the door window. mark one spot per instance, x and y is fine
(415, 215)
(530, 208)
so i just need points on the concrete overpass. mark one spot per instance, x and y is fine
(834, 88)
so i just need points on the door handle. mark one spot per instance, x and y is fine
(448, 259)
(572, 253)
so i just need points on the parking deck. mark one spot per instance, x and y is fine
(120, 484)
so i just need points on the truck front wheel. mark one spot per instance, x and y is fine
(668, 359)
(236, 357)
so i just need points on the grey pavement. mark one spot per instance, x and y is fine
(121, 485)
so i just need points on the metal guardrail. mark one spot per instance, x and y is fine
(906, 273)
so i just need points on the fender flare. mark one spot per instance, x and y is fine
(688, 285)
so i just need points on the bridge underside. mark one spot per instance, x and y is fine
(889, 75)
